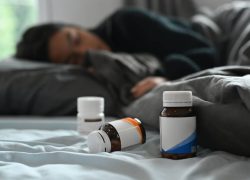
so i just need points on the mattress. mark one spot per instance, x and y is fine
(50, 148)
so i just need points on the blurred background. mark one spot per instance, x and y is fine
(18, 15)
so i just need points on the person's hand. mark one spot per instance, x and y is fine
(146, 85)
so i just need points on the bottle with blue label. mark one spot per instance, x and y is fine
(177, 125)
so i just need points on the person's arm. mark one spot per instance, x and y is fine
(121, 71)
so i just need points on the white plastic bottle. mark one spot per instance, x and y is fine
(90, 114)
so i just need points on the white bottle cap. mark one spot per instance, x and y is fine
(98, 141)
(90, 105)
(177, 98)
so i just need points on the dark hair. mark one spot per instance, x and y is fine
(35, 41)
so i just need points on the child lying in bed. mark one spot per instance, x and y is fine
(180, 48)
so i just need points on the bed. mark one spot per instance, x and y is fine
(37, 140)
(50, 148)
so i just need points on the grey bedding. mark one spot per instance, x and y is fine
(222, 102)
(228, 29)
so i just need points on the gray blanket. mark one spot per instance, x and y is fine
(222, 102)
(228, 29)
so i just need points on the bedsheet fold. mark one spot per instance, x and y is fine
(63, 154)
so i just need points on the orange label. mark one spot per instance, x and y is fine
(136, 124)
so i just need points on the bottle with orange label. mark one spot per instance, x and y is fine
(116, 135)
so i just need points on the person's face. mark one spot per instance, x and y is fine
(69, 45)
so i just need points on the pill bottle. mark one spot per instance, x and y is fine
(177, 125)
(117, 135)
(90, 115)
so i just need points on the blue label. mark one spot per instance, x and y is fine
(185, 147)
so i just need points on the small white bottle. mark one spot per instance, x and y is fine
(90, 115)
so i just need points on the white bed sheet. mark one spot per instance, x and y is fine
(50, 148)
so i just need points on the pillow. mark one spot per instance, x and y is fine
(31, 88)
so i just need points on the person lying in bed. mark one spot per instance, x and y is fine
(181, 49)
